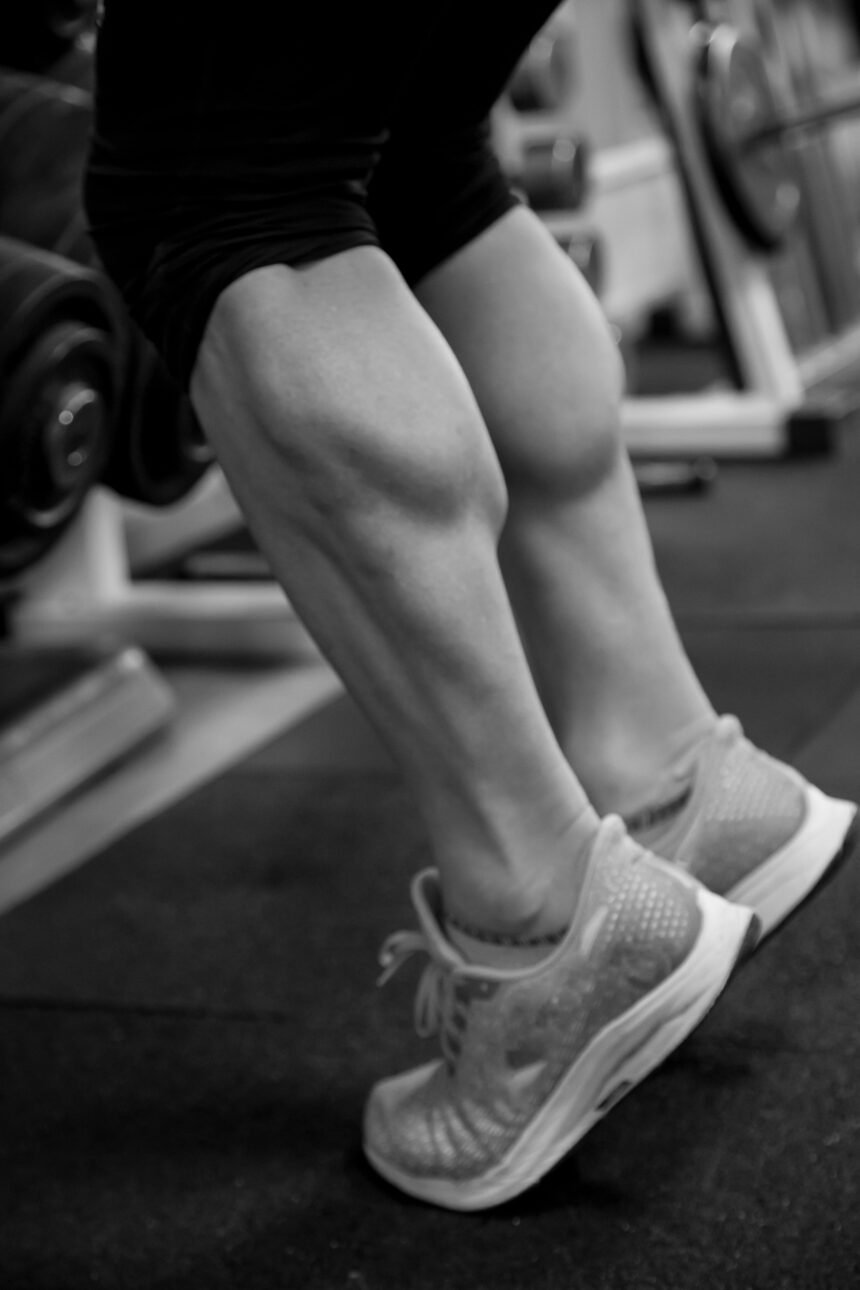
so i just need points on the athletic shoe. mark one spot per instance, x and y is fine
(532, 1058)
(751, 828)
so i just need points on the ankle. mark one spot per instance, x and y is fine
(496, 949)
(631, 778)
(522, 903)
(502, 912)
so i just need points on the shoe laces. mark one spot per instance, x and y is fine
(434, 998)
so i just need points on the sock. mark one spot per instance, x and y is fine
(490, 949)
(487, 947)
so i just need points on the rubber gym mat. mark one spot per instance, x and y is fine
(770, 540)
(190, 1025)
(809, 673)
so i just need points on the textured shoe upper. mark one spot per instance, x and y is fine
(743, 808)
(508, 1038)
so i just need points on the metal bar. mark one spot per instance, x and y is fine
(815, 114)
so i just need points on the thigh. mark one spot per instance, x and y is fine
(227, 139)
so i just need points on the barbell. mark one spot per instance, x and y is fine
(748, 133)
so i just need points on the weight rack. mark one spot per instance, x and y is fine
(795, 375)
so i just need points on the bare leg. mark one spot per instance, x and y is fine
(608, 661)
(352, 441)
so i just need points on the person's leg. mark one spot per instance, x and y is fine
(566, 961)
(609, 664)
(623, 698)
(355, 447)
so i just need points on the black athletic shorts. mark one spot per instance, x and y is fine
(228, 137)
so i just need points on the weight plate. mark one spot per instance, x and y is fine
(59, 382)
(39, 288)
(159, 449)
(56, 425)
(736, 101)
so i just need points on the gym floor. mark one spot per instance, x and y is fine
(190, 1021)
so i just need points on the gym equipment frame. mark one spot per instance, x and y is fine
(87, 587)
(790, 395)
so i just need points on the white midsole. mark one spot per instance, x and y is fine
(617, 1059)
(777, 886)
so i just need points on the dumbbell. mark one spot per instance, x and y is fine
(747, 133)
(553, 173)
(59, 385)
(159, 451)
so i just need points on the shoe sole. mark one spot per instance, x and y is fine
(781, 885)
(616, 1060)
